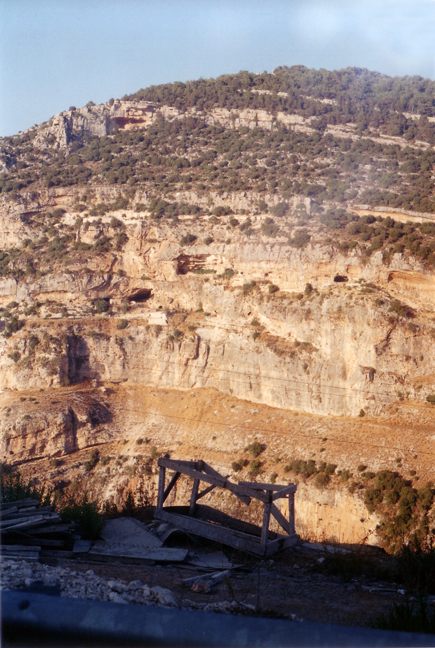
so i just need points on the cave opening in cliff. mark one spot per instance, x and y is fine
(340, 278)
(140, 296)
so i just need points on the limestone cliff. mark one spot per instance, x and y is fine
(334, 349)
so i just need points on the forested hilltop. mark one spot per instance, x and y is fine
(340, 139)
(355, 95)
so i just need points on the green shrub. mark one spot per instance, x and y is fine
(101, 305)
(310, 468)
(12, 487)
(33, 342)
(222, 211)
(86, 515)
(300, 239)
(273, 289)
(280, 209)
(402, 310)
(15, 355)
(121, 240)
(188, 239)
(322, 480)
(93, 460)
(269, 228)
(247, 287)
(255, 467)
(425, 496)
(431, 399)
(178, 335)
(122, 324)
(372, 498)
(237, 466)
(330, 469)
(12, 326)
(255, 448)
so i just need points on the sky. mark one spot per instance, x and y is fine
(58, 53)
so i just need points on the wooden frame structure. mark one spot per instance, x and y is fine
(215, 525)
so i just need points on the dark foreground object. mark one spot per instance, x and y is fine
(30, 619)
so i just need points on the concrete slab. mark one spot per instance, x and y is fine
(130, 533)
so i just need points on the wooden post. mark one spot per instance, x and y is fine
(291, 513)
(161, 487)
(266, 517)
(170, 486)
(195, 489)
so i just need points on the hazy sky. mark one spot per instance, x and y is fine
(58, 53)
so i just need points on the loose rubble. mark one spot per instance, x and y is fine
(19, 574)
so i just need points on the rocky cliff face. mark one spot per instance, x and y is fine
(331, 349)
(50, 435)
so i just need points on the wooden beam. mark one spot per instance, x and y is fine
(232, 538)
(280, 518)
(170, 486)
(20, 503)
(193, 496)
(161, 486)
(285, 491)
(281, 543)
(268, 487)
(291, 513)
(7, 512)
(29, 512)
(55, 528)
(205, 492)
(241, 492)
(29, 520)
(36, 521)
(266, 518)
(188, 464)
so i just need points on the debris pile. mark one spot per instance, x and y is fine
(27, 528)
(60, 581)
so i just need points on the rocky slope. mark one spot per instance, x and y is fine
(147, 245)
